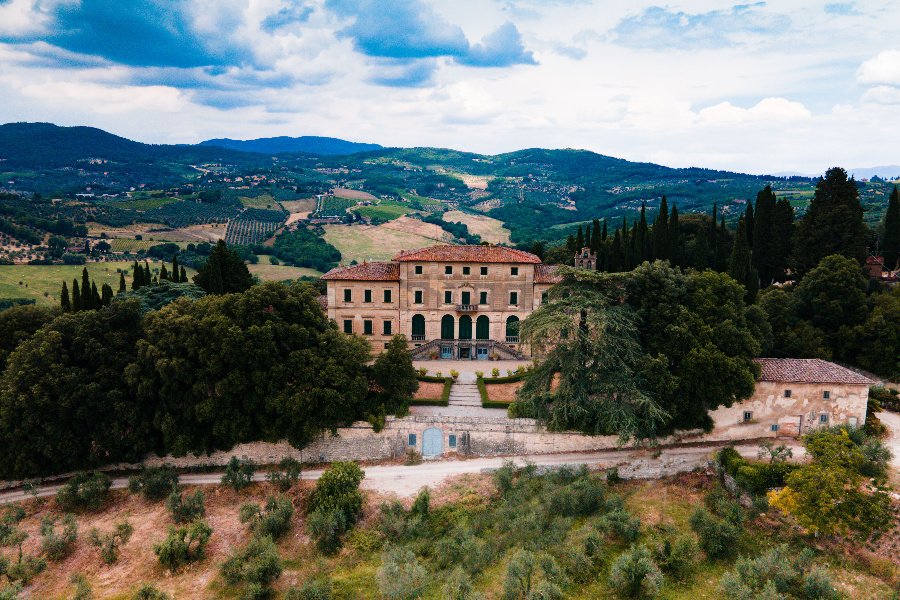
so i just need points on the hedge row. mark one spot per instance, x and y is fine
(754, 477)
(486, 402)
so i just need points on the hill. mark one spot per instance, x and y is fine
(283, 144)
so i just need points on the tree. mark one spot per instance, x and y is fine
(875, 344)
(833, 295)
(661, 232)
(675, 251)
(183, 545)
(273, 520)
(106, 295)
(175, 271)
(394, 376)
(749, 221)
(634, 574)
(122, 287)
(163, 272)
(87, 297)
(64, 303)
(76, 296)
(109, 543)
(890, 241)
(184, 277)
(137, 276)
(833, 223)
(238, 473)
(401, 576)
(58, 543)
(739, 265)
(335, 504)
(257, 565)
(792, 337)
(19, 323)
(186, 508)
(224, 272)
(765, 250)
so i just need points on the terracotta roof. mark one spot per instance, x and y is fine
(546, 274)
(481, 254)
(373, 271)
(808, 370)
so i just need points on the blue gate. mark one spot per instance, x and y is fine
(432, 442)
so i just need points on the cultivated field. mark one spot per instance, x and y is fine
(385, 211)
(295, 206)
(210, 232)
(490, 229)
(353, 194)
(368, 242)
(265, 201)
(44, 282)
(269, 272)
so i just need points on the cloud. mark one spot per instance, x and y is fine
(398, 29)
(399, 73)
(882, 94)
(842, 9)
(767, 110)
(884, 68)
(658, 27)
(295, 12)
(502, 48)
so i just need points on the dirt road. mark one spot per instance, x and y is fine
(408, 480)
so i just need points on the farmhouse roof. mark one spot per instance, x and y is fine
(479, 254)
(807, 370)
(546, 274)
(367, 271)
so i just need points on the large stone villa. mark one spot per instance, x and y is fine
(452, 302)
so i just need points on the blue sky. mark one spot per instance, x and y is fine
(755, 86)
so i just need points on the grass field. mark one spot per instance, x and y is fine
(423, 202)
(269, 272)
(490, 229)
(299, 206)
(336, 206)
(141, 203)
(370, 242)
(266, 201)
(129, 245)
(384, 211)
(353, 194)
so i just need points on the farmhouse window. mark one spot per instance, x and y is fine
(348, 325)
(482, 298)
(387, 296)
(514, 271)
(386, 330)
(412, 439)
(417, 297)
(826, 395)
(787, 393)
(448, 270)
(514, 298)
(466, 270)
(748, 415)
(367, 327)
(823, 418)
(451, 440)
(484, 270)
(418, 269)
(774, 427)
(448, 297)
(367, 295)
(348, 295)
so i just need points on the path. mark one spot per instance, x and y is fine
(408, 480)
(891, 420)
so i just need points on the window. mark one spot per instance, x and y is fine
(348, 325)
(514, 271)
(787, 393)
(451, 440)
(387, 296)
(348, 295)
(484, 270)
(417, 297)
(386, 330)
(448, 270)
(823, 418)
(367, 295)
(748, 416)
(482, 298)
(466, 270)
(543, 297)
(514, 298)
(466, 298)
(418, 269)
(826, 395)
(448, 297)
(367, 327)
(412, 440)
(774, 428)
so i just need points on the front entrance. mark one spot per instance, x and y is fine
(481, 353)
(447, 352)
(432, 442)
(465, 353)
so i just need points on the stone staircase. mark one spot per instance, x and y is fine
(465, 393)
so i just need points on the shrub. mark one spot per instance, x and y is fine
(258, 564)
(582, 497)
(84, 492)
(238, 473)
(718, 537)
(458, 586)
(186, 507)
(58, 544)
(155, 483)
(148, 592)
(335, 504)
(26, 569)
(10, 592)
(400, 574)
(522, 581)
(720, 502)
(621, 524)
(183, 545)
(109, 543)
(421, 504)
(273, 521)
(677, 557)
(287, 475)
(413, 457)
(495, 372)
(635, 575)
(317, 588)
(578, 566)
(327, 527)
(83, 589)
(776, 572)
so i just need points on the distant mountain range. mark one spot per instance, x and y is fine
(308, 144)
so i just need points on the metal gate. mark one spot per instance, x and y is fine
(432, 442)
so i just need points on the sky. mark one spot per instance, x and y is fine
(784, 86)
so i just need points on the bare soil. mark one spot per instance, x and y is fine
(429, 390)
(503, 392)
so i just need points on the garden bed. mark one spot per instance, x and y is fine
(433, 391)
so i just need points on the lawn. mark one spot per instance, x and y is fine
(384, 211)
(490, 229)
(269, 272)
(265, 201)
(44, 282)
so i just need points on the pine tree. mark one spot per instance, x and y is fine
(739, 265)
(106, 295)
(674, 238)
(661, 232)
(87, 301)
(64, 302)
(890, 243)
(748, 221)
(122, 286)
(833, 224)
(184, 278)
(76, 296)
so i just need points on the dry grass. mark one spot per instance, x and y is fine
(382, 242)
(269, 272)
(211, 232)
(490, 229)
(353, 194)
(299, 206)
(503, 392)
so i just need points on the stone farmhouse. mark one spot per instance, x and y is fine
(452, 302)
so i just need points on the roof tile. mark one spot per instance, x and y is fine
(367, 271)
(480, 254)
(808, 370)
(546, 274)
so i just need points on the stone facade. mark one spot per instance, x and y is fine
(440, 293)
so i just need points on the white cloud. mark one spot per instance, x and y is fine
(767, 110)
(884, 68)
(107, 99)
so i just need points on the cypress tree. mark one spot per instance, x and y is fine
(224, 272)
(106, 295)
(76, 296)
(87, 301)
(784, 236)
(579, 240)
(748, 221)
(96, 301)
(674, 238)
(615, 258)
(163, 272)
(137, 276)
(764, 240)
(595, 237)
(148, 274)
(175, 268)
(833, 224)
(570, 245)
(739, 266)
(122, 286)
(722, 250)
(661, 232)
(890, 244)
(644, 243)
(184, 278)
(64, 302)
(603, 235)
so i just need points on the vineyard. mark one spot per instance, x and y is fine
(334, 207)
(183, 214)
(253, 226)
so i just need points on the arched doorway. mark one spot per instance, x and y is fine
(512, 330)
(482, 328)
(418, 328)
(465, 327)
(447, 327)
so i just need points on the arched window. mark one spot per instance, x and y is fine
(482, 328)
(465, 327)
(512, 330)
(447, 327)
(418, 327)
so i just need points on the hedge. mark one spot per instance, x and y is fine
(508, 379)
(486, 402)
(887, 398)
(754, 477)
(444, 400)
